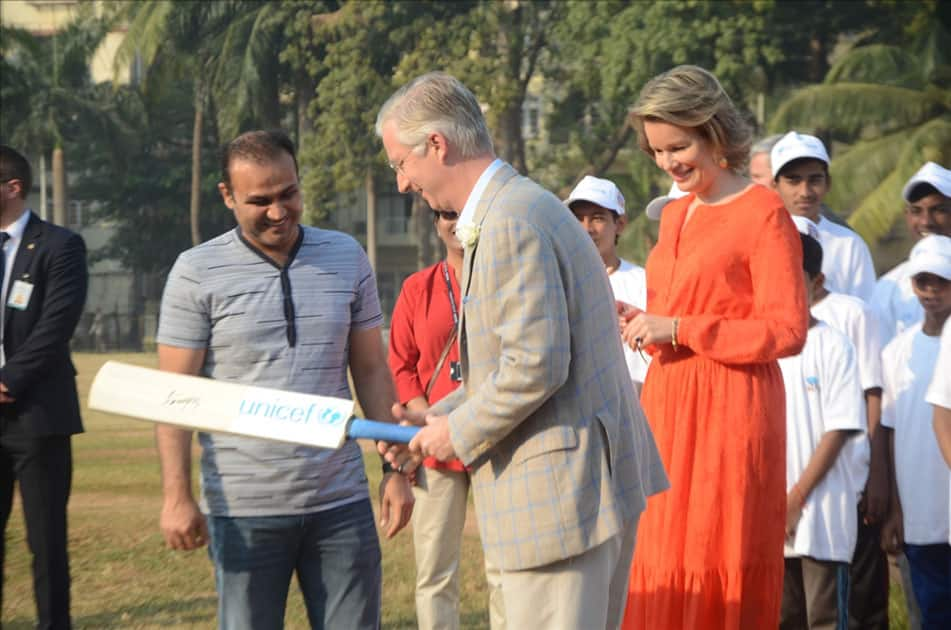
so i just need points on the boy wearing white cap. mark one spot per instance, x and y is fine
(826, 468)
(857, 321)
(599, 205)
(800, 166)
(927, 198)
(656, 207)
(919, 517)
(853, 318)
(939, 396)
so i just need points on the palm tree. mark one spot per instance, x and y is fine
(892, 107)
(229, 48)
(47, 92)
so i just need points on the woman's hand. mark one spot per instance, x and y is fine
(646, 329)
(625, 313)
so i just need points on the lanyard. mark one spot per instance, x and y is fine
(452, 298)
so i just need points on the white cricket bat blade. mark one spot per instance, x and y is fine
(217, 406)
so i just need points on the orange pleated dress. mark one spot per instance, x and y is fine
(709, 551)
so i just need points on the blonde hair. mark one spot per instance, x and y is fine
(437, 102)
(691, 97)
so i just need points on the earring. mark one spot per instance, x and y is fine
(722, 163)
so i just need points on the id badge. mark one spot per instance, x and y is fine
(19, 295)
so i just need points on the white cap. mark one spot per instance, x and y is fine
(656, 206)
(932, 254)
(794, 146)
(930, 173)
(806, 226)
(601, 192)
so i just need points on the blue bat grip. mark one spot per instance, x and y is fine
(386, 431)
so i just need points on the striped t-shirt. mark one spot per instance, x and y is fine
(272, 327)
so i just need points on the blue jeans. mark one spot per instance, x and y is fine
(336, 554)
(931, 577)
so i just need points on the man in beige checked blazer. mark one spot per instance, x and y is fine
(561, 455)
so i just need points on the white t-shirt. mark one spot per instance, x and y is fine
(895, 302)
(909, 361)
(629, 283)
(846, 261)
(853, 317)
(823, 393)
(939, 392)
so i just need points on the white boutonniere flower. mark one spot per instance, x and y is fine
(468, 234)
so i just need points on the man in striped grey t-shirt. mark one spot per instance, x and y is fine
(276, 304)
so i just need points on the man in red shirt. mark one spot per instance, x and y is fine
(424, 359)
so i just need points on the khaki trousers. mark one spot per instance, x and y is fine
(438, 519)
(585, 591)
(815, 595)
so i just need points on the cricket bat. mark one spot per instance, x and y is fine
(216, 406)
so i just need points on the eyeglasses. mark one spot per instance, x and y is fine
(398, 167)
(446, 215)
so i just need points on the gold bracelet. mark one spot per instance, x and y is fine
(673, 335)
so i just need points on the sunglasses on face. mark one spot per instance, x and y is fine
(446, 215)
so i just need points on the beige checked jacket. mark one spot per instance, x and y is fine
(562, 458)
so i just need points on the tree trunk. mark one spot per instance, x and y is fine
(44, 207)
(59, 187)
(513, 144)
(423, 232)
(605, 160)
(761, 110)
(371, 218)
(303, 126)
(510, 44)
(304, 92)
(193, 209)
(818, 64)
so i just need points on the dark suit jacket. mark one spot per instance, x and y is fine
(38, 371)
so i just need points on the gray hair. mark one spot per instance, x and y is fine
(765, 145)
(437, 102)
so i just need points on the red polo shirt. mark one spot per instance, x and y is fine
(421, 324)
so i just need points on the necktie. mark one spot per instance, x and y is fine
(4, 237)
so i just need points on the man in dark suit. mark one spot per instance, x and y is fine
(44, 278)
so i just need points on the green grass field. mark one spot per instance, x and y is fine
(124, 577)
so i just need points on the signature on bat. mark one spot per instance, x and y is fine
(182, 402)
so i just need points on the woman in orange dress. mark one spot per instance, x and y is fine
(725, 299)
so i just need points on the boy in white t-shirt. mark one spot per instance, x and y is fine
(854, 318)
(826, 468)
(800, 166)
(927, 198)
(939, 396)
(919, 515)
(599, 205)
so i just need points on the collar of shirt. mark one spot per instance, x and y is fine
(17, 228)
(469, 209)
